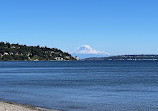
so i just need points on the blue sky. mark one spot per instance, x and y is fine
(113, 26)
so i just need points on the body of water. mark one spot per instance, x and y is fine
(82, 85)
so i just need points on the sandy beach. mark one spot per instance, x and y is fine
(5, 106)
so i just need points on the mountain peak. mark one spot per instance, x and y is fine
(86, 49)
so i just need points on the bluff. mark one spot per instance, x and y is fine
(16, 52)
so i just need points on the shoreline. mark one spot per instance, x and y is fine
(11, 106)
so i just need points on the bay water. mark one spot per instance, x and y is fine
(82, 85)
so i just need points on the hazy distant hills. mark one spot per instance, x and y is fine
(16, 52)
(126, 58)
(85, 51)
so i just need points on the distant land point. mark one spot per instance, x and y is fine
(141, 57)
(16, 52)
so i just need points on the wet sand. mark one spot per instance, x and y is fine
(6, 106)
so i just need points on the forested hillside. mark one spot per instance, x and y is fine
(16, 52)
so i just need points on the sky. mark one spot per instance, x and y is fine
(113, 26)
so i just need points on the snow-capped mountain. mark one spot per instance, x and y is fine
(86, 51)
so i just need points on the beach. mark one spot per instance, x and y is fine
(5, 106)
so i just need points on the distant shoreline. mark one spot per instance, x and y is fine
(126, 58)
(37, 61)
(82, 60)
